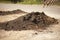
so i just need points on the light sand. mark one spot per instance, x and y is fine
(52, 33)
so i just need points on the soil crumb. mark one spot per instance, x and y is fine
(31, 21)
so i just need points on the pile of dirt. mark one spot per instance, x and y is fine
(31, 21)
(11, 12)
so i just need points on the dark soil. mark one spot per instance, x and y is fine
(31, 21)
(11, 12)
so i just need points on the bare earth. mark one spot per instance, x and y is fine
(52, 33)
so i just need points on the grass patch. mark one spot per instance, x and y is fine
(5, 1)
(25, 2)
(58, 3)
(31, 2)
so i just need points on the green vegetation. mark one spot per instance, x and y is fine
(31, 2)
(25, 1)
(57, 3)
(22, 1)
(5, 1)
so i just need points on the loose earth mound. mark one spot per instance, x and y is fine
(11, 12)
(31, 21)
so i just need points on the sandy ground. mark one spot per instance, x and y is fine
(52, 33)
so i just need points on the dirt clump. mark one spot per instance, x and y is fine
(31, 21)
